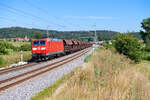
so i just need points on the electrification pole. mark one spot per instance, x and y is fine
(95, 35)
(21, 56)
(47, 31)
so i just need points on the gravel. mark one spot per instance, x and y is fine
(29, 88)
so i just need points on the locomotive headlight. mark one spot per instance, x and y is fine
(34, 48)
(43, 48)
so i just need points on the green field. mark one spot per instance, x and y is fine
(14, 56)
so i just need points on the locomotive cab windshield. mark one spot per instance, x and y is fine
(39, 43)
(38, 48)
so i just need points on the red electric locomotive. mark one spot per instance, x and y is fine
(43, 48)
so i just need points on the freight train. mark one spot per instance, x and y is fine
(46, 48)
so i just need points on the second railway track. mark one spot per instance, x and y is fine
(12, 81)
(7, 70)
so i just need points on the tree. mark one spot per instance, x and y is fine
(37, 36)
(4, 47)
(146, 33)
(128, 45)
(1, 60)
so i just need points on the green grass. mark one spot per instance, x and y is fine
(87, 58)
(14, 57)
(146, 56)
(1, 60)
(143, 68)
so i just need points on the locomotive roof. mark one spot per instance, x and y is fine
(52, 39)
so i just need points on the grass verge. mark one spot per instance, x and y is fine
(107, 76)
(87, 58)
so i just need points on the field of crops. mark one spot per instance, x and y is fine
(14, 55)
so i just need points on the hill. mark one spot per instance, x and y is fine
(13, 32)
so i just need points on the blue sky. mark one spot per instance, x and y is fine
(116, 15)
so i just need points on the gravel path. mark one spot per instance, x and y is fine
(29, 88)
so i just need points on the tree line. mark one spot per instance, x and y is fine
(14, 32)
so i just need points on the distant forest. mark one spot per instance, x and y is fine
(13, 32)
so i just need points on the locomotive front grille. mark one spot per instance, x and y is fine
(41, 55)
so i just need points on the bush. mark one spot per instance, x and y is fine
(128, 45)
(146, 49)
(7, 48)
(25, 47)
(15, 48)
(107, 45)
(4, 46)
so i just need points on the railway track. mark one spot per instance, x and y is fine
(11, 69)
(15, 80)
(7, 70)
